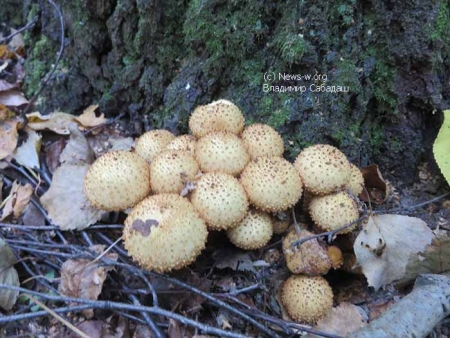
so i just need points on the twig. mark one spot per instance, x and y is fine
(109, 305)
(48, 77)
(20, 30)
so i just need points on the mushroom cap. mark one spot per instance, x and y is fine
(307, 299)
(117, 180)
(220, 200)
(153, 142)
(336, 257)
(164, 232)
(323, 168)
(310, 258)
(221, 115)
(183, 143)
(330, 212)
(356, 183)
(272, 183)
(223, 152)
(253, 232)
(262, 140)
(171, 170)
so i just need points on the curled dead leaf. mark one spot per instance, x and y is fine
(89, 119)
(28, 153)
(12, 98)
(83, 278)
(8, 275)
(377, 190)
(18, 199)
(385, 245)
(8, 137)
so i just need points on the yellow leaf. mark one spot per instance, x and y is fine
(88, 118)
(441, 148)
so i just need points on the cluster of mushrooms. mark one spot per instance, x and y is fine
(225, 177)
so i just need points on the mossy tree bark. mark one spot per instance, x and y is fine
(157, 60)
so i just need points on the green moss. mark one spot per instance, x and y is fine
(37, 66)
(292, 47)
(347, 75)
(442, 24)
(341, 13)
(384, 91)
(278, 118)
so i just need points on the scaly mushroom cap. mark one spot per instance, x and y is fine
(220, 115)
(356, 183)
(307, 299)
(272, 183)
(253, 232)
(117, 180)
(171, 170)
(223, 152)
(323, 168)
(152, 143)
(309, 258)
(183, 143)
(220, 200)
(333, 211)
(262, 140)
(164, 232)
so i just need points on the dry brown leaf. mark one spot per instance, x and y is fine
(8, 137)
(435, 259)
(83, 278)
(174, 330)
(224, 321)
(385, 245)
(88, 118)
(6, 113)
(342, 320)
(77, 150)
(12, 98)
(32, 215)
(28, 153)
(8, 275)
(65, 201)
(233, 259)
(377, 191)
(52, 154)
(18, 199)
(56, 122)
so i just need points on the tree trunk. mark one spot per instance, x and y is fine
(156, 60)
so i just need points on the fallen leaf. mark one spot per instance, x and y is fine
(8, 276)
(56, 122)
(441, 147)
(377, 308)
(78, 149)
(12, 98)
(385, 245)
(53, 153)
(83, 278)
(88, 118)
(6, 113)
(233, 259)
(32, 215)
(18, 199)
(174, 330)
(8, 137)
(121, 143)
(224, 321)
(377, 190)
(28, 153)
(435, 259)
(342, 320)
(4, 85)
(65, 201)
(99, 329)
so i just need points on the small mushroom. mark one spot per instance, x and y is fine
(223, 152)
(333, 211)
(152, 143)
(221, 115)
(116, 181)
(310, 257)
(307, 299)
(262, 140)
(253, 232)
(336, 257)
(164, 232)
(323, 168)
(172, 170)
(220, 200)
(272, 183)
